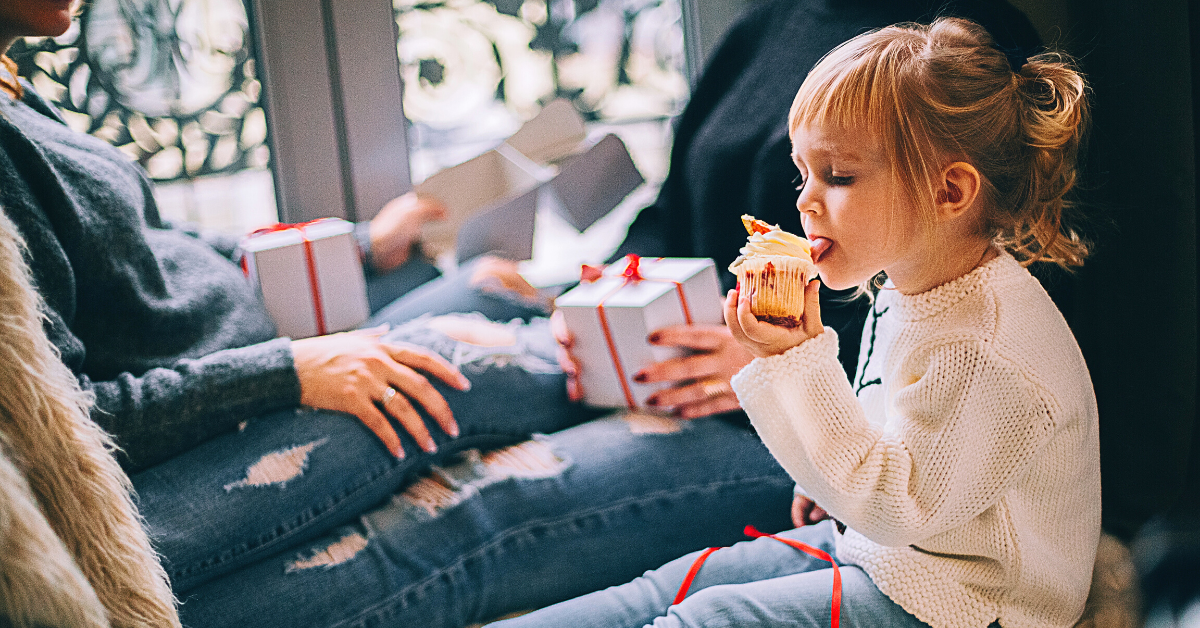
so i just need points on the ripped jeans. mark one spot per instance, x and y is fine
(297, 520)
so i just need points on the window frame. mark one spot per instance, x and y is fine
(334, 106)
(334, 99)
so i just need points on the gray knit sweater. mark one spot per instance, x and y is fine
(157, 322)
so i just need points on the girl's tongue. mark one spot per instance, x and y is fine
(819, 247)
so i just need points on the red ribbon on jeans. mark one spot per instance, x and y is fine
(632, 274)
(310, 262)
(835, 610)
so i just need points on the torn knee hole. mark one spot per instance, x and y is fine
(443, 488)
(278, 467)
(334, 554)
(645, 423)
(528, 459)
(474, 331)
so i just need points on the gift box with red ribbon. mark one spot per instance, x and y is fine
(613, 311)
(309, 275)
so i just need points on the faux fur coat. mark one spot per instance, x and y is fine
(72, 548)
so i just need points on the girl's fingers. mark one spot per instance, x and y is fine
(752, 328)
(574, 389)
(801, 506)
(812, 308)
(817, 514)
(732, 308)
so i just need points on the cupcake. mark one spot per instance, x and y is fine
(773, 269)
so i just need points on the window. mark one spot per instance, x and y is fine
(235, 108)
(173, 84)
(473, 70)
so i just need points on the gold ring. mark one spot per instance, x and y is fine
(714, 388)
(388, 393)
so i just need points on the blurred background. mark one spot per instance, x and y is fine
(246, 113)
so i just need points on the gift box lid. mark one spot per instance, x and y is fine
(659, 276)
(284, 235)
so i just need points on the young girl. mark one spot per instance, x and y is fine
(963, 458)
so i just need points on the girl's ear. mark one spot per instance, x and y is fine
(957, 190)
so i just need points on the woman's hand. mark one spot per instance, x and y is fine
(699, 380)
(351, 372)
(496, 274)
(566, 360)
(397, 227)
(764, 339)
(806, 512)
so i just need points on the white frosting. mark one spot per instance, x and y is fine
(774, 242)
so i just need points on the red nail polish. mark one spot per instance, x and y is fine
(652, 401)
(640, 378)
(654, 338)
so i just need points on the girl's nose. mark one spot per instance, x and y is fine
(807, 204)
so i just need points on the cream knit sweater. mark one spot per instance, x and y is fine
(964, 457)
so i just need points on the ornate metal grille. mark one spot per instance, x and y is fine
(170, 82)
(473, 69)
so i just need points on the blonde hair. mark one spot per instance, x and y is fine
(72, 548)
(945, 92)
(11, 83)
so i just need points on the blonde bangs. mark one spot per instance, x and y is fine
(854, 86)
(861, 86)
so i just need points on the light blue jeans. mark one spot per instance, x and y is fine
(760, 583)
(298, 519)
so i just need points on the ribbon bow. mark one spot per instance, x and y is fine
(282, 226)
(632, 272)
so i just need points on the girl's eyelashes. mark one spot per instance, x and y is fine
(799, 182)
(840, 179)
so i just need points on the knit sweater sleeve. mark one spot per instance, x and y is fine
(960, 426)
(168, 410)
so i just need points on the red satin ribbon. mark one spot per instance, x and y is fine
(835, 610)
(310, 263)
(632, 274)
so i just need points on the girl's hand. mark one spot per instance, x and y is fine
(764, 339)
(351, 372)
(806, 512)
(397, 226)
(699, 378)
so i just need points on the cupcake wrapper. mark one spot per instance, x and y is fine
(775, 286)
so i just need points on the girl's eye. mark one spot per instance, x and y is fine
(799, 182)
(840, 180)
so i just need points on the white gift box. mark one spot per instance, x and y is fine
(309, 275)
(611, 317)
